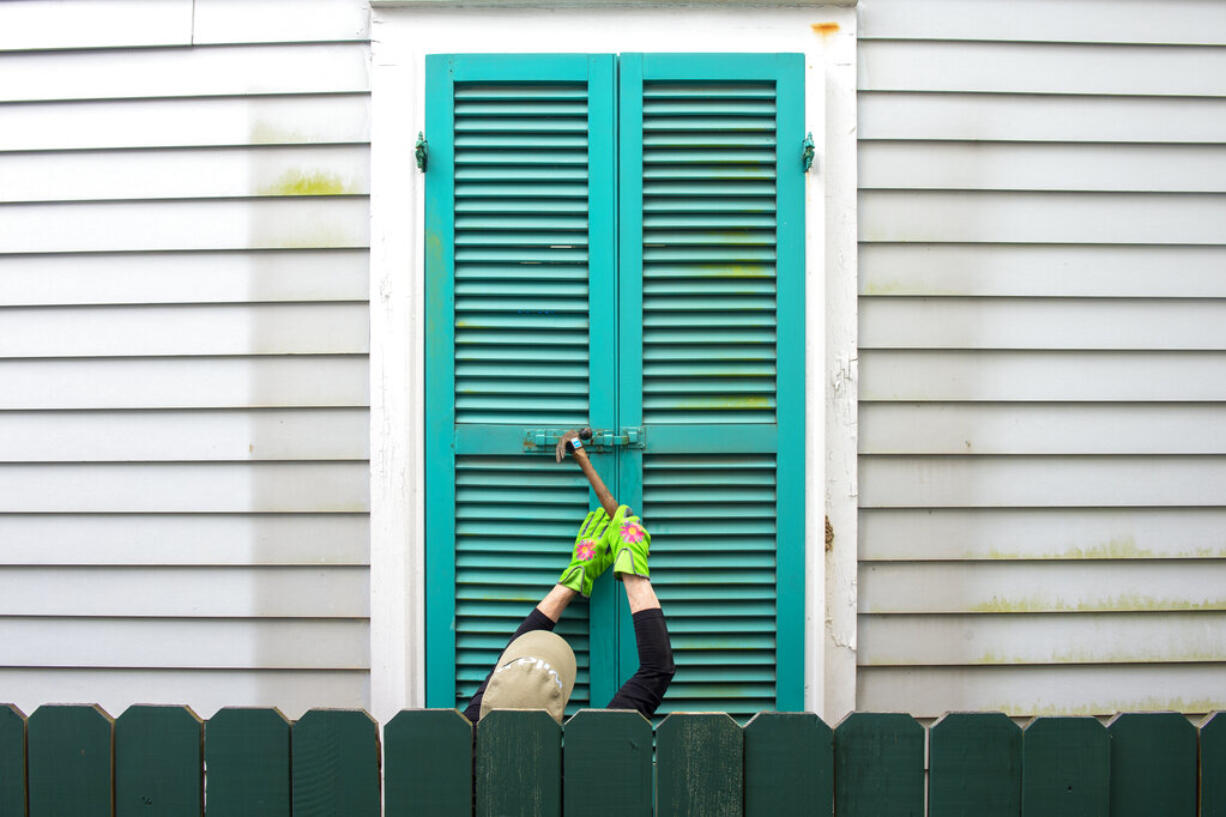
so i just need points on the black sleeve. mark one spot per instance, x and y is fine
(645, 689)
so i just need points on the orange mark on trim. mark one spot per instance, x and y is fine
(825, 29)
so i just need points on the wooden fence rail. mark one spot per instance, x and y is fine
(151, 761)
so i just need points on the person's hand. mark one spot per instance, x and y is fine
(563, 446)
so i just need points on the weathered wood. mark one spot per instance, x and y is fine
(879, 766)
(789, 765)
(607, 765)
(158, 769)
(1213, 766)
(1153, 765)
(699, 766)
(12, 761)
(519, 764)
(974, 766)
(247, 754)
(335, 764)
(70, 753)
(1065, 768)
(428, 764)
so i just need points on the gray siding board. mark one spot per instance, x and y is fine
(1042, 369)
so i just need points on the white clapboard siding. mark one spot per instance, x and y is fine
(185, 539)
(1045, 375)
(191, 122)
(1089, 638)
(216, 487)
(902, 165)
(1128, 585)
(39, 76)
(196, 435)
(986, 481)
(1040, 428)
(30, 25)
(184, 431)
(1087, 689)
(1042, 217)
(186, 592)
(291, 691)
(1065, 271)
(161, 330)
(898, 322)
(187, 643)
(1042, 356)
(185, 278)
(207, 382)
(1042, 68)
(1040, 118)
(1192, 22)
(951, 534)
(175, 174)
(269, 21)
(222, 224)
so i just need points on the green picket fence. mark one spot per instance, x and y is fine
(76, 761)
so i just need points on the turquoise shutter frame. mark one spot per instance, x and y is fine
(520, 252)
(711, 353)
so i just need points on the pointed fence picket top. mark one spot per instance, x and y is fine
(607, 764)
(70, 754)
(334, 756)
(1153, 765)
(12, 761)
(247, 754)
(699, 765)
(1213, 765)
(519, 764)
(428, 764)
(789, 765)
(158, 762)
(1066, 769)
(879, 766)
(974, 766)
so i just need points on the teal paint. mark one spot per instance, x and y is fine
(684, 228)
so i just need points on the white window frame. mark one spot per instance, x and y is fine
(402, 33)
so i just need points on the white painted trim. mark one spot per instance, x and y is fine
(401, 36)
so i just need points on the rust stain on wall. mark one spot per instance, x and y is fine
(824, 30)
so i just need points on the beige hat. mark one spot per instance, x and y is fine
(536, 671)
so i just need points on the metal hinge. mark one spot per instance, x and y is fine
(806, 152)
(422, 151)
(544, 440)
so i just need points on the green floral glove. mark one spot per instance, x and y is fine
(592, 555)
(629, 542)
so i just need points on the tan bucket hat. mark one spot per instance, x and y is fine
(536, 671)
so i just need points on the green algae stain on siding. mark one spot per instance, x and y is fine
(1124, 602)
(312, 183)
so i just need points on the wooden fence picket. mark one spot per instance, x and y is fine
(70, 753)
(334, 757)
(789, 765)
(1153, 765)
(607, 764)
(428, 764)
(519, 764)
(1213, 765)
(974, 766)
(879, 766)
(12, 761)
(158, 762)
(699, 766)
(1065, 768)
(247, 753)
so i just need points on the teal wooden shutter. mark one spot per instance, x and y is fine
(711, 356)
(520, 285)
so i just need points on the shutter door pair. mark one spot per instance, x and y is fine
(617, 241)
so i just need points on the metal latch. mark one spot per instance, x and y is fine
(544, 440)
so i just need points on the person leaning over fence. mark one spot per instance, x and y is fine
(537, 669)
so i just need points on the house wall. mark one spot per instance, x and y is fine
(183, 342)
(1042, 356)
